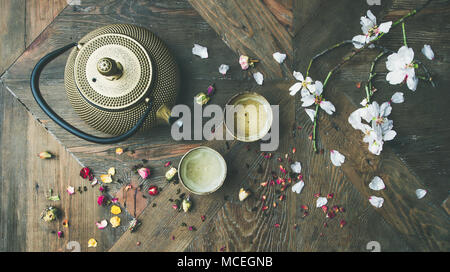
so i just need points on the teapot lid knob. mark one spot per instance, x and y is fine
(109, 68)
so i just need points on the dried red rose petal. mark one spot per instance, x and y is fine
(86, 172)
(153, 190)
(331, 214)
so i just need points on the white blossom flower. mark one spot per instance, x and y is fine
(377, 202)
(305, 86)
(321, 201)
(223, 69)
(311, 113)
(428, 52)
(200, 51)
(316, 98)
(337, 158)
(279, 57)
(370, 30)
(420, 193)
(296, 167)
(380, 123)
(401, 67)
(297, 188)
(377, 184)
(259, 78)
(397, 98)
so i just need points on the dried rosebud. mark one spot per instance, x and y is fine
(101, 200)
(335, 208)
(153, 190)
(324, 208)
(277, 225)
(265, 208)
(304, 207)
(281, 198)
(211, 89)
(170, 174)
(186, 204)
(243, 61)
(201, 98)
(50, 214)
(60, 234)
(175, 206)
(330, 196)
(264, 197)
(305, 214)
(144, 172)
(331, 214)
(203, 218)
(264, 184)
(86, 173)
(342, 223)
(45, 155)
(65, 223)
(167, 164)
(274, 204)
(243, 194)
(293, 150)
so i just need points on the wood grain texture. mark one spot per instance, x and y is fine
(257, 29)
(249, 28)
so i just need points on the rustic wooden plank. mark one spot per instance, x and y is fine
(12, 32)
(39, 14)
(249, 28)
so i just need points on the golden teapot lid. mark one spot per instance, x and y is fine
(113, 71)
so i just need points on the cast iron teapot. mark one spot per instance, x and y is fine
(118, 79)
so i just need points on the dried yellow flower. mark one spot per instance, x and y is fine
(119, 151)
(92, 243)
(112, 171)
(115, 221)
(106, 178)
(115, 209)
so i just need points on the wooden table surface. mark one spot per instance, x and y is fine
(416, 158)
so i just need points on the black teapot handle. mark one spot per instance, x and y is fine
(34, 82)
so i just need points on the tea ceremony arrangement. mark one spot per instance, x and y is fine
(224, 126)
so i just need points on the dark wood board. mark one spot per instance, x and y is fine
(259, 28)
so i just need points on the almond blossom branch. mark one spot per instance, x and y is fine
(404, 34)
(369, 86)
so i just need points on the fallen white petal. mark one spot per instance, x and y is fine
(420, 193)
(279, 57)
(200, 51)
(297, 188)
(296, 167)
(259, 78)
(311, 113)
(397, 98)
(223, 69)
(377, 202)
(337, 158)
(428, 52)
(377, 184)
(102, 224)
(321, 201)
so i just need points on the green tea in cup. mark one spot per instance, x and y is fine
(202, 170)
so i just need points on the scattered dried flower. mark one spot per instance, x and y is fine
(92, 243)
(65, 223)
(112, 171)
(115, 221)
(144, 172)
(106, 178)
(70, 190)
(102, 224)
(377, 202)
(200, 51)
(223, 69)
(167, 164)
(115, 209)
(101, 200)
(170, 174)
(321, 201)
(277, 225)
(377, 184)
(119, 151)
(50, 214)
(420, 193)
(342, 223)
(297, 188)
(186, 204)
(86, 172)
(259, 78)
(153, 190)
(45, 155)
(243, 194)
